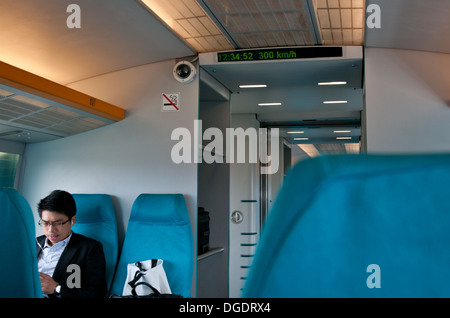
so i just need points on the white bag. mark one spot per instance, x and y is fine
(144, 277)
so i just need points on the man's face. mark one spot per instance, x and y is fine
(56, 226)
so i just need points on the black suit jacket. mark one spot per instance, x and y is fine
(88, 254)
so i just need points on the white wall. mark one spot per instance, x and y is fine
(127, 158)
(244, 186)
(213, 195)
(407, 101)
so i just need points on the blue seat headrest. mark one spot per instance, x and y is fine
(95, 207)
(160, 208)
(337, 218)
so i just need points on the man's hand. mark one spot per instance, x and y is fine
(48, 284)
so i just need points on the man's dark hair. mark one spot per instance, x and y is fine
(58, 201)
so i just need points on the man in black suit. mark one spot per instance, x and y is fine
(70, 264)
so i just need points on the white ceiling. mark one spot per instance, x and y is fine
(114, 35)
(120, 34)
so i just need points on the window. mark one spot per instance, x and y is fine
(8, 168)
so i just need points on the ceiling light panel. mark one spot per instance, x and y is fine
(343, 138)
(253, 86)
(264, 23)
(331, 83)
(335, 102)
(310, 150)
(24, 111)
(189, 21)
(333, 148)
(341, 22)
(269, 104)
(35, 106)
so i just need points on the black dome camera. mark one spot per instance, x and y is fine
(184, 72)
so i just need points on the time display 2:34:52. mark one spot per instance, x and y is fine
(279, 54)
(235, 56)
(255, 55)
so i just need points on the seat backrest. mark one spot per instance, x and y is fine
(96, 219)
(358, 226)
(19, 274)
(159, 228)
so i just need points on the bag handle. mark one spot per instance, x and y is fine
(133, 290)
(139, 265)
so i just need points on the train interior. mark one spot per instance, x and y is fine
(91, 103)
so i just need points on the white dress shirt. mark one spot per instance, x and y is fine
(50, 255)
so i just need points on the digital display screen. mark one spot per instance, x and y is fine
(279, 54)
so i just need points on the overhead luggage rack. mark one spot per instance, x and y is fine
(34, 109)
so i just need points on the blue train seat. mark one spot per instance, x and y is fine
(96, 219)
(358, 226)
(159, 228)
(19, 275)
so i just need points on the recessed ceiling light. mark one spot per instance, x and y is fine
(342, 131)
(310, 150)
(269, 104)
(253, 86)
(301, 138)
(295, 132)
(331, 83)
(335, 102)
(343, 138)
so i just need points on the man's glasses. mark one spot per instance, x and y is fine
(57, 224)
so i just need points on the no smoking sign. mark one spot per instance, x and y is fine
(170, 102)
